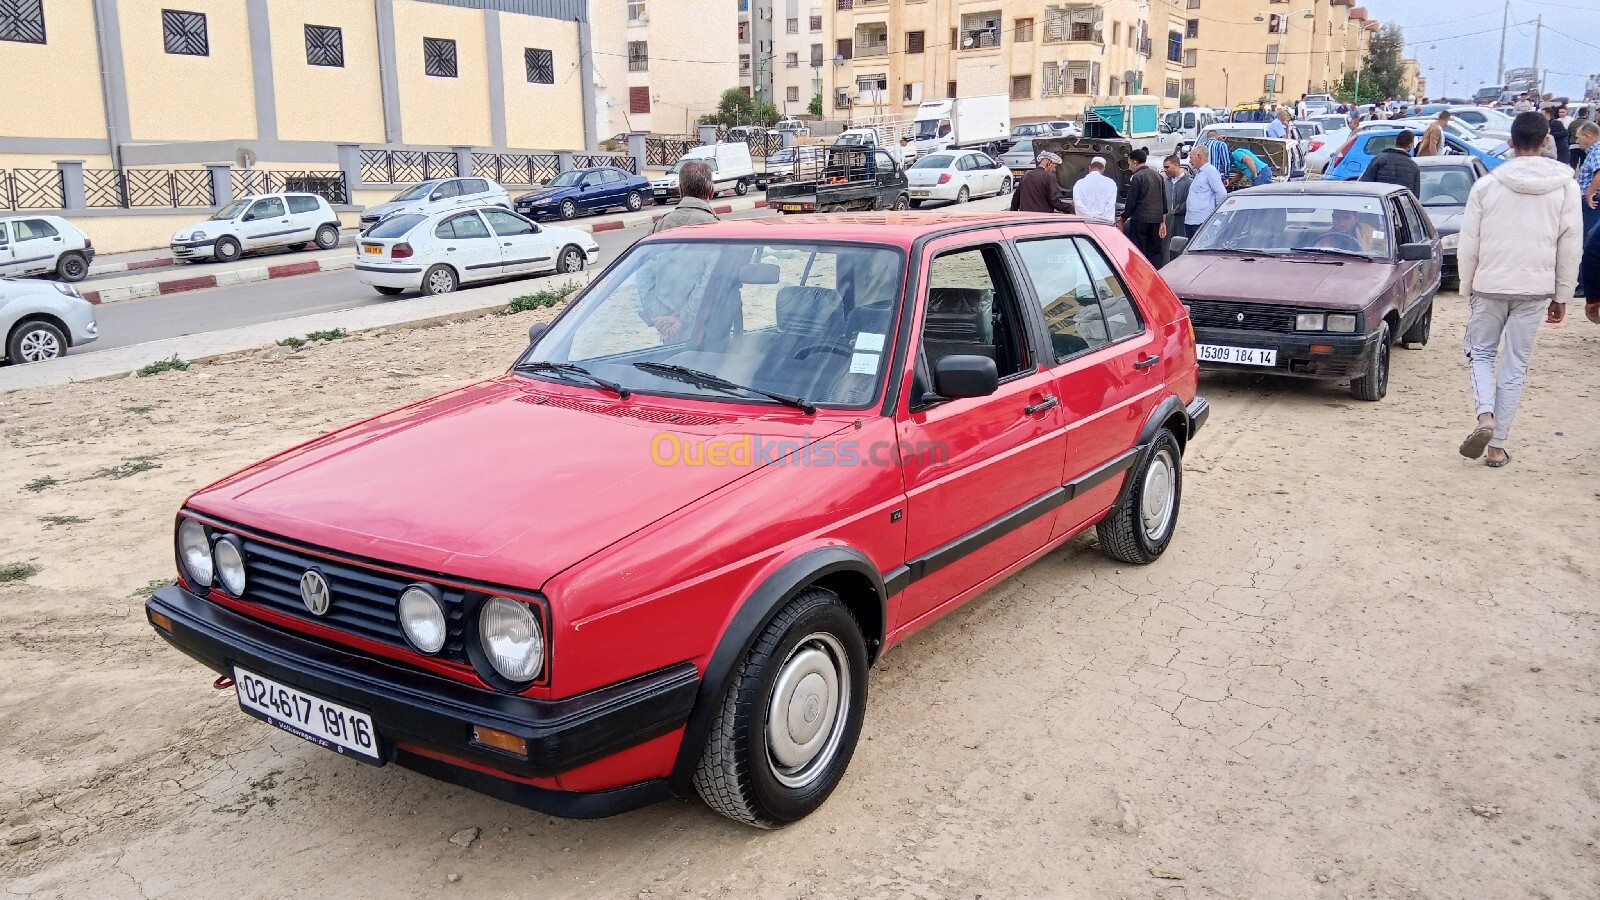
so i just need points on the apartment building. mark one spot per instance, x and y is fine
(1235, 51)
(661, 64)
(783, 52)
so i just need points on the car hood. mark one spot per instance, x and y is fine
(1347, 285)
(1447, 219)
(549, 193)
(393, 207)
(507, 481)
(665, 181)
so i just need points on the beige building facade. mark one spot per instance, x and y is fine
(1238, 51)
(783, 51)
(661, 64)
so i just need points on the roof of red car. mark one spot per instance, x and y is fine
(885, 227)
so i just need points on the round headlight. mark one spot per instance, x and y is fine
(511, 638)
(229, 562)
(194, 550)
(422, 619)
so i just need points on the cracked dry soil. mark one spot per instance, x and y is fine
(1366, 668)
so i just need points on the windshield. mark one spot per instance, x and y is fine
(565, 179)
(812, 321)
(1446, 185)
(1274, 224)
(416, 193)
(703, 159)
(928, 129)
(849, 139)
(394, 226)
(1242, 132)
(934, 161)
(231, 210)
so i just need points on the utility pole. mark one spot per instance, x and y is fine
(1538, 32)
(1505, 22)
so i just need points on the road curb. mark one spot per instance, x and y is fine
(221, 279)
(347, 236)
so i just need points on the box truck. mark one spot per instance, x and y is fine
(976, 123)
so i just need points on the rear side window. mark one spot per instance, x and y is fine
(1066, 294)
(462, 227)
(1121, 315)
(395, 226)
(474, 186)
(33, 229)
(613, 176)
(446, 189)
(303, 204)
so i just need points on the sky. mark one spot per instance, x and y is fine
(1458, 41)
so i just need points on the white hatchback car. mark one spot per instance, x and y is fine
(438, 253)
(957, 175)
(440, 193)
(43, 245)
(41, 320)
(260, 222)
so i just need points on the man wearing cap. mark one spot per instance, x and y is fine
(1095, 195)
(1038, 192)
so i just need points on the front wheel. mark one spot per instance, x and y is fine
(36, 342)
(1139, 528)
(72, 267)
(1374, 383)
(226, 249)
(571, 261)
(569, 210)
(789, 722)
(440, 279)
(901, 202)
(741, 187)
(327, 237)
(635, 202)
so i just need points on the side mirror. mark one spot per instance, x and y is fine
(1177, 245)
(965, 376)
(1416, 252)
(436, 195)
(537, 331)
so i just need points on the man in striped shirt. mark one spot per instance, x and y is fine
(1217, 150)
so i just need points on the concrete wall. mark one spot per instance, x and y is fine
(541, 115)
(326, 103)
(38, 76)
(173, 97)
(434, 110)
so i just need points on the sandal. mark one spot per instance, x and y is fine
(1498, 463)
(1477, 442)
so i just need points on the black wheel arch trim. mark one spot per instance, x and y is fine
(1161, 415)
(753, 615)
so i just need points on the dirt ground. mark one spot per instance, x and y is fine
(1366, 668)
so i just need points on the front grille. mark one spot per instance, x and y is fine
(1257, 316)
(363, 602)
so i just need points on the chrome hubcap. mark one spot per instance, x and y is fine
(40, 345)
(809, 705)
(1157, 496)
(570, 261)
(441, 282)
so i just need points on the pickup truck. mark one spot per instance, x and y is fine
(803, 163)
(854, 178)
(1137, 120)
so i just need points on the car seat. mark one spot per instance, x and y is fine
(811, 348)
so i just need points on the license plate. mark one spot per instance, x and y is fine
(337, 728)
(1239, 356)
(793, 207)
(372, 249)
(920, 193)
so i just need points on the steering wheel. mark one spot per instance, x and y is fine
(822, 347)
(1335, 240)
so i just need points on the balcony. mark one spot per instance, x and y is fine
(872, 43)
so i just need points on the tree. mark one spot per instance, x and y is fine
(816, 105)
(767, 115)
(734, 108)
(1383, 66)
(1186, 99)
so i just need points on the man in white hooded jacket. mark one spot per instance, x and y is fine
(1521, 241)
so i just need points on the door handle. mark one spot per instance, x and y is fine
(450, 249)
(1043, 405)
(506, 244)
(1147, 362)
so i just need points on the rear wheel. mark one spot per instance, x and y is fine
(1418, 332)
(327, 237)
(1005, 186)
(789, 722)
(1374, 383)
(439, 279)
(963, 195)
(72, 267)
(635, 202)
(387, 291)
(1139, 528)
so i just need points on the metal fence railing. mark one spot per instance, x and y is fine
(406, 166)
(31, 189)
(764, 144)
(618, 160)
(329, 185)
(102, 189)
(516, 168)
(664, 150)
(168, 187)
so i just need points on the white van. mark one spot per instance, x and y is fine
(1188, 124)
(730, 164)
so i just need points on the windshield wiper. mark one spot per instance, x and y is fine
(572, 369)
(718, 383)
(1333, 251)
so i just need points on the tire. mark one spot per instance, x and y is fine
(327, 237)
(813, 653)
(571, 260)
(1418, 332)
(72, 267)
(388, 291)
(901, 202)
(1374, 384)
(569, 210)
(226, 249)
(439, 279)
(635, 202)
(35, 341)
(1005, 187)
(916, 204)
(963, 195)
(1139, 528)
(741, 187)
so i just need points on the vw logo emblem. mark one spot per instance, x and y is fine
(315, 593)
(1241, 317)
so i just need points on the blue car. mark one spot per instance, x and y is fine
(580, 191)
(1374, 141)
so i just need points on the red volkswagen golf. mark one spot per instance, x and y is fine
(662, 552)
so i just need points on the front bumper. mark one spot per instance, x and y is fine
(425, 721)
(1448, 270)
(1347, 355)
(204, 249)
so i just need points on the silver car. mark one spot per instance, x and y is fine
(1019, 158)
(42, 319)
(429, 197)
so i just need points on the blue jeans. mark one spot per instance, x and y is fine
(1591, 231)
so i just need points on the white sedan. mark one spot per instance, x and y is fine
(439, 252)
(957, 175)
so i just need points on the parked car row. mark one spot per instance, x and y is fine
(438, 252)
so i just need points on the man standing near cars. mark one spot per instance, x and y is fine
(1520, 245)
(1177, 185)
(1558, 133)
(1395, 165)
(1038, 191)
(696, 188)
(1587, 135)
(1095, 194)
(903, 153)
(1205, 193)
(670, 285)
(1144, 216)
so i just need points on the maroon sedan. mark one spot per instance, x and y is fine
(1310, 279)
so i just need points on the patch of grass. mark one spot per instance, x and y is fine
(152, 587)
(20, 571)
(548, 297)
(331, 334)
(404, 375)
(141, 409)
(170, 364)
(126, 469)
(52, 521)
(40, 483)
(259, 792)
(293, 343)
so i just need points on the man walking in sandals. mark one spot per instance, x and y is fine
(1521, 241)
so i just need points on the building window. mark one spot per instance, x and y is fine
(841, 98)
(980, 29)
(1194, 4)
(1021, 87)
(1172, 88)
(1024, 31)
(792, 26)
(1114, 85)
(439, 57)
(1175, 46)
(184, 33)
(636, 11)
(816, 23)
(638, 100)
(791, 94)
(916, 41)
(1272, 53)
(911, 92)
(1277, 24)
(791, 60)
(22, 21)
(1270, 83)
(1188, 86)
(1190, 58)
(1192, 28)
(844, 4)
(324, 46)
(541, 65)
(638, 56)
(842, 48)
(744, 32)
(1116, 33)
(744, 64)
(950, 90)
(816, 56)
